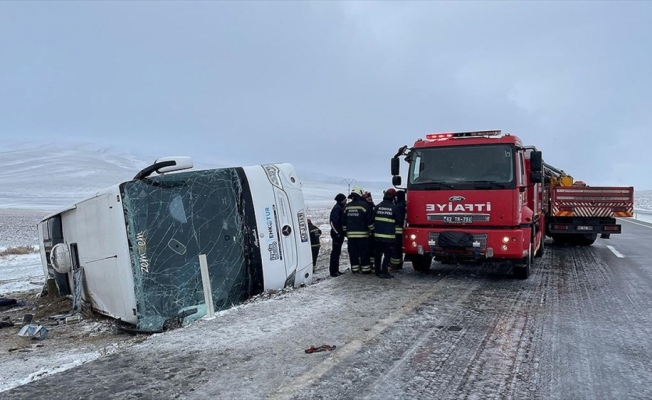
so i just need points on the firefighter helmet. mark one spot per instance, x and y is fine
(357, 190)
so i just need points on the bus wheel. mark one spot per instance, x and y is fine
(421, 263)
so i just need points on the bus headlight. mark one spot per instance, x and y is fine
(273, 175)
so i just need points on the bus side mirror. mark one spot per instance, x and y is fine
(396, 168)
(396, 180)
(536, 162)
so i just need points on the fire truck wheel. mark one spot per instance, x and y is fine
(586, 240)
(539, 252)
(421, 263)
(561, 239)
(521, 268)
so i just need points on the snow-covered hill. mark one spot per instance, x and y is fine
(49, 176)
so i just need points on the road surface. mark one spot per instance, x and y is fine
(579, 328)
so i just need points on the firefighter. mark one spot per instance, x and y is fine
(367, 197)
(397, 256)
(315, 233)
(337, 234)
(385, 216)
(358, 224)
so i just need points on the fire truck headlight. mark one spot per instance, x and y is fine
(414, 244)
(505, 239)
(413, 237)
(503, 247)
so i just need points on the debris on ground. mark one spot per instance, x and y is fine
(33, 331)
(6, 322)
(8, 303)
(325, 347)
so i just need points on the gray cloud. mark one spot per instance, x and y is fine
(333, 87)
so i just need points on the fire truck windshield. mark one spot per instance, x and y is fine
(472, 167)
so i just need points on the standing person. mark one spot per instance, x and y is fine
(337, 234)
(385, 232)
(372, 252)
(358, 223)
(315, 233)
(397, 256)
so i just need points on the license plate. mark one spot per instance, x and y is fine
(457, 219)
(584, 228)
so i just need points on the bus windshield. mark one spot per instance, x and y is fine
(171, 219)
(472, 167)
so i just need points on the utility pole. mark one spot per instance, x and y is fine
(348, 181)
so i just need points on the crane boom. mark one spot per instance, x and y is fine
(556, 176)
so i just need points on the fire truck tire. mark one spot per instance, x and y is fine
(521, 268)
(421, 263)
(542, 248)
(561, 239)
(586, 240)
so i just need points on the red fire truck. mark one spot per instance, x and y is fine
(484, 196)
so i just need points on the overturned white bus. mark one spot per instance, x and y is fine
(133, 250)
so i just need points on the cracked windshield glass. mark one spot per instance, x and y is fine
(171, 220)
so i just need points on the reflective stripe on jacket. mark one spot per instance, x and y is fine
(385, 221)
(358, 219)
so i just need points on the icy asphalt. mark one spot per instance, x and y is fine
(579, 328)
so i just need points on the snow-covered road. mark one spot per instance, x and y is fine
(579, 328)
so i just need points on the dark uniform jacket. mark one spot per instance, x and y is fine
(385, 217)
(400, 216)
(337, 220)
(315, 233)
(358, 218)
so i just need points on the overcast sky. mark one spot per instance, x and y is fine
(333, 87)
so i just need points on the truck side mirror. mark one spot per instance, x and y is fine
(396, 180)
(535, 177)
(396, 168)
(536, 161)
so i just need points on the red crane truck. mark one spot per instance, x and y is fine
(484, 196)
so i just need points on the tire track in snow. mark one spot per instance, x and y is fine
(434, 361)
(552, 336)
(316, 373)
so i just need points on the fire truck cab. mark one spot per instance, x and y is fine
(472, 196)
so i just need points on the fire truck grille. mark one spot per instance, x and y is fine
(458, 217)
(479, 237)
